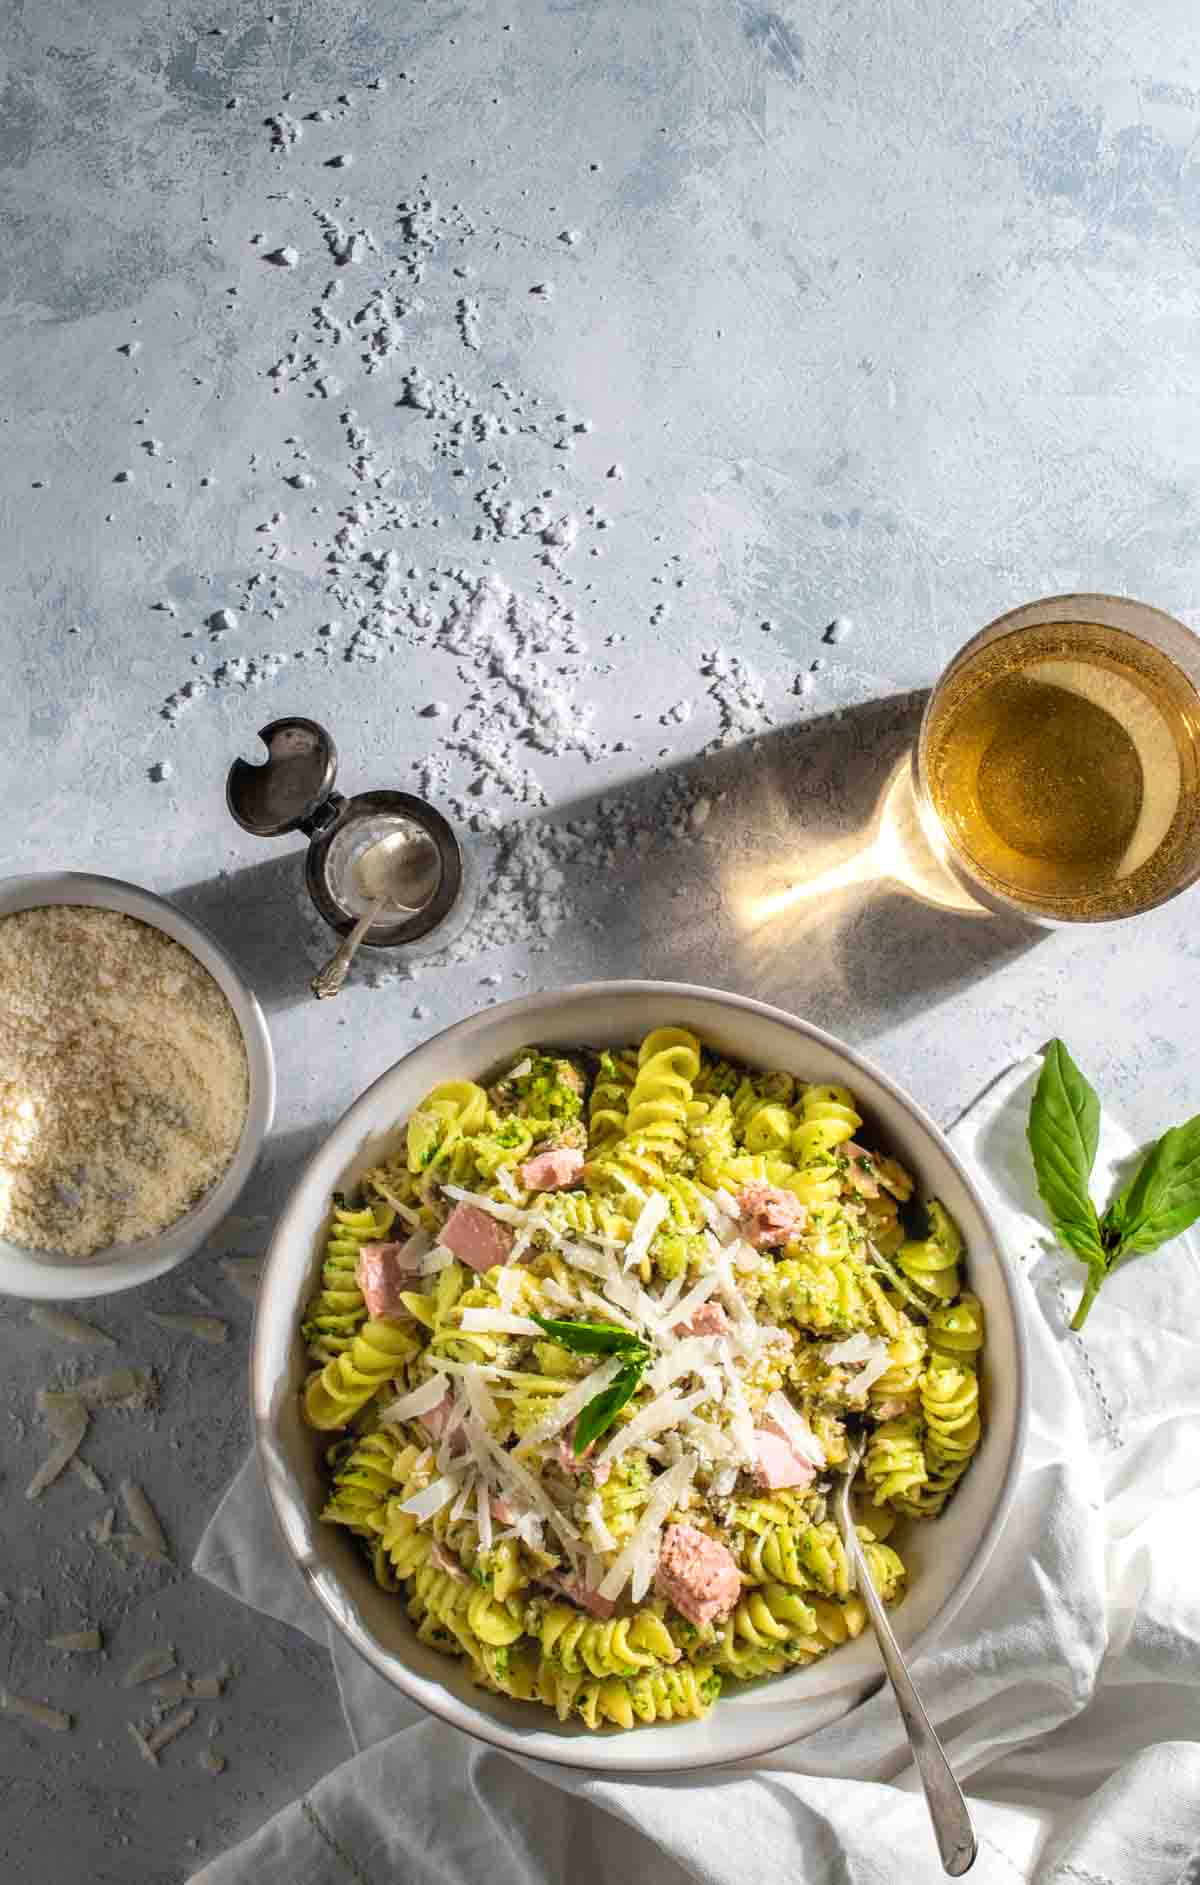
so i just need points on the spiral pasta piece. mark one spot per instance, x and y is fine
(363, 1481)
(337, 1311)
(932, 1262)
(618, 1646)
(950, 1404)
(956, 1329)
(894, 1463)
(334, 1394)
(608, 1107)
(657, 1122)
(906, 1361)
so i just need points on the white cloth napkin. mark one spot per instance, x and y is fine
(1067, 1690)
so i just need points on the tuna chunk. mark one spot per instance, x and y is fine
(436, 1419)
(475, 1237)
(382, 1271)
(550, 1171)
(777, 1464)
(446, 1561)
(860, 1175)
(708, 1319)
(770, 1214)
(581, 1593)
(697, 1574)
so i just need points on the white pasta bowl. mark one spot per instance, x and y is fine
(945, 1557)
(43, 1276)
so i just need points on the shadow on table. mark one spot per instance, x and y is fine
(782, 891)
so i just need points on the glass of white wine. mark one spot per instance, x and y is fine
(1057, 770)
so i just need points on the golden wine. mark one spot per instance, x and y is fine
(1063, 762)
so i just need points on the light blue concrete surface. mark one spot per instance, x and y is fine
(880, 312)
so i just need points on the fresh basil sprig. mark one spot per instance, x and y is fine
(1161, 1200)
(589, 1338)
(601, 1338)
(598, 1416)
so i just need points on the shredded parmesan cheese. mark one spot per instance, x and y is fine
(70, 1328)
(77, 1640)
(126, 1083)
(72, 1426)
(35, 1711)
(143, 1517)
(640, 1556)
(204, 1328)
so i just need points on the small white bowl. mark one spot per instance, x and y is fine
(44, 1277)
(946, 1557)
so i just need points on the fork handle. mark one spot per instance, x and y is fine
(947, 1809)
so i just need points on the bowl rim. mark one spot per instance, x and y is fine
(446, 1706)
(50, 1278)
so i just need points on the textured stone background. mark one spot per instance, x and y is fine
(887, 312)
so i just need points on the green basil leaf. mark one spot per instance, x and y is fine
(600, 1412)
(1064, 1126)
(1164, 1197)
(589, 1338)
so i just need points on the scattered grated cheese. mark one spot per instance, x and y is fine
(212, 1762)
(143, 1746)
(692, 1354)
(649, 1218)
(512, 1475)
(101, 1530)
(497, 1322)
(143, 1517)
(204, 1328)
(639, 1559)
(480, 1402)
(173, 1726)
(70, 1328)
(123, 1387)
(73, 1426)
(419, 1401)
(459, 1508)
(667, 1411)
(88, 1474)
(40, 1712)
(483, 1515)
(683, 1311)
(599, 1536)
(430, 1500)
(139, 1546)
(245, 1274)
(507, 1213)
(77, 1639)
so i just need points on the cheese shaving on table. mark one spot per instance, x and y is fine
(640, 1556)
(419, 1401)
(569, 1404)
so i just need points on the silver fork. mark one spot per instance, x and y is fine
(947, 1809)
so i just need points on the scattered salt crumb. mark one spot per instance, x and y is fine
(233, 104)
(615, 471)
(420, 1012)
(342, 161)
(839, 629)
(287, 257)
(211, 1761)
(160, 770)
(222, 621)
(123, 477)
(543, 288)
(319, 117)
(300, 480)
(435, 710)
(569, 236)
(129, 348)
(700, 813)
(285, 132)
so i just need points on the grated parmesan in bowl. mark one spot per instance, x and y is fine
(136, 1085)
